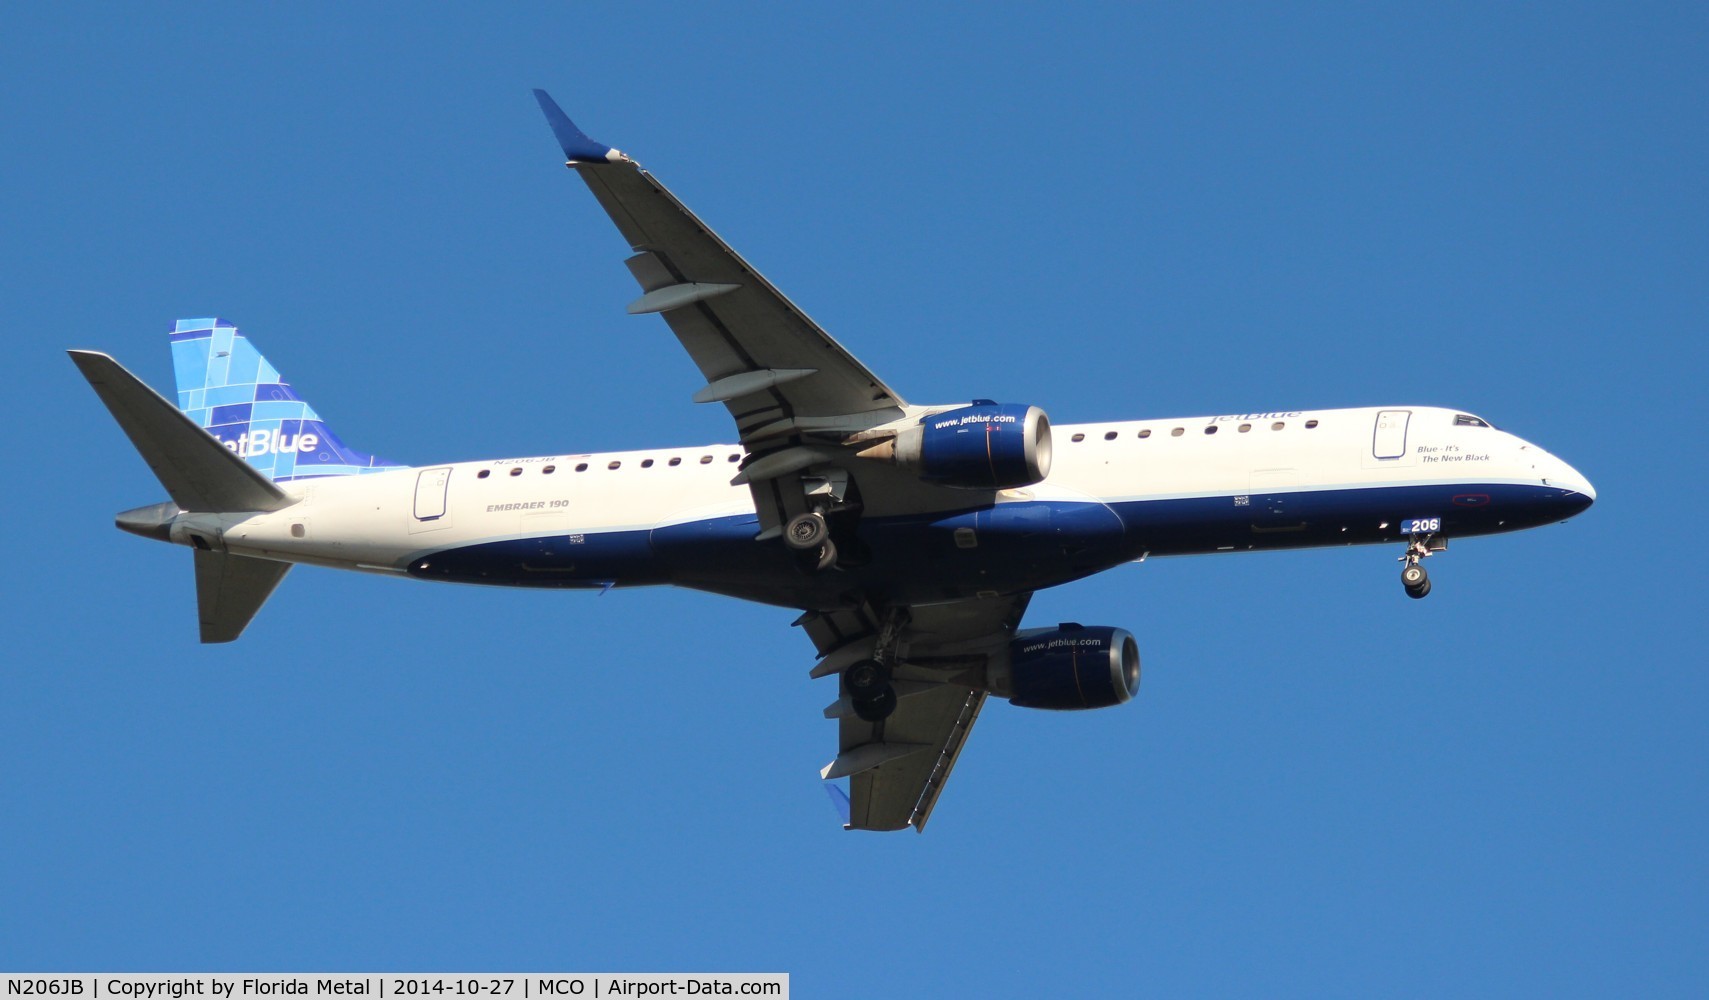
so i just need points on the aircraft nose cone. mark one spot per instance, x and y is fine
(1581, 494)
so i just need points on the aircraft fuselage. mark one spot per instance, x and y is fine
(1116, 492)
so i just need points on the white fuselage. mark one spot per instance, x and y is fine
(1241, 481)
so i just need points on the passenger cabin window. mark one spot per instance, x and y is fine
(1078, 437)
(1245, 427)
(646, 463)
(484, 473)
(735, 458)
(1145, 433)
(1211, 429)
(615, 465)
(1278, 425)
(676, 461)
(548, 470)
(706, 460)
(1467, 420)
(1109, 435)
(516, 471)
(1177, 432)
(1309, 424)
(581, 466)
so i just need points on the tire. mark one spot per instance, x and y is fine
(865, 679)
(1413, 577)
(806, 532)
(878, 708)
(1419, 592)
(827, 556)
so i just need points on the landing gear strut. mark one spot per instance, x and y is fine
(1412, 575)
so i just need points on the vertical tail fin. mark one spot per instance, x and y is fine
(229, 389)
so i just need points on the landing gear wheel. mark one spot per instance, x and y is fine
(865, 678)
(1415, 580)
(827, 556)
(806, 531)
(879, 708)
(868, 686)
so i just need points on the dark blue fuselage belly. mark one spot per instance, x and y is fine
(1001, 549)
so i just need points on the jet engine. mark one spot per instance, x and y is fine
(1071, 666)
(983, 446)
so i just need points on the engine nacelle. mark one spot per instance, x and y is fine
(1068, 667)
(984, 446)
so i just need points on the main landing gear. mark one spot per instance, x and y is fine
(867, 683)
(1412, 574)
(869, 688)
(810, 533)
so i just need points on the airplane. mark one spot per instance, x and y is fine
(909, 537)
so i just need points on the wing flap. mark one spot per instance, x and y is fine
(900, 792)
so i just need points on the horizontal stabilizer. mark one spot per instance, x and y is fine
(199, 472)
(230, 589)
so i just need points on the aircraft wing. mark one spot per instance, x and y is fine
(897, 767)
(793, 391)
(762, 357)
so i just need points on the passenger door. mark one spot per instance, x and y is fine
(1388, 437)
(432, 491)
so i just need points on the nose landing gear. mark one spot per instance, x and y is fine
(1415, 580)
(1412, 575)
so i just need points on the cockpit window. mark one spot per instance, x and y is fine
(1467, 420)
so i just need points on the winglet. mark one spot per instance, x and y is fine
(839, 801)
(578, 148)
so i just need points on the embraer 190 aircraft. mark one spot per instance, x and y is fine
(910, 537)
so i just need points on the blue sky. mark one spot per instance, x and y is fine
(1112, 211)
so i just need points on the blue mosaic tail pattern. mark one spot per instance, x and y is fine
(226, 386)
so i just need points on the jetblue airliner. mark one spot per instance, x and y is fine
(909, 537)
